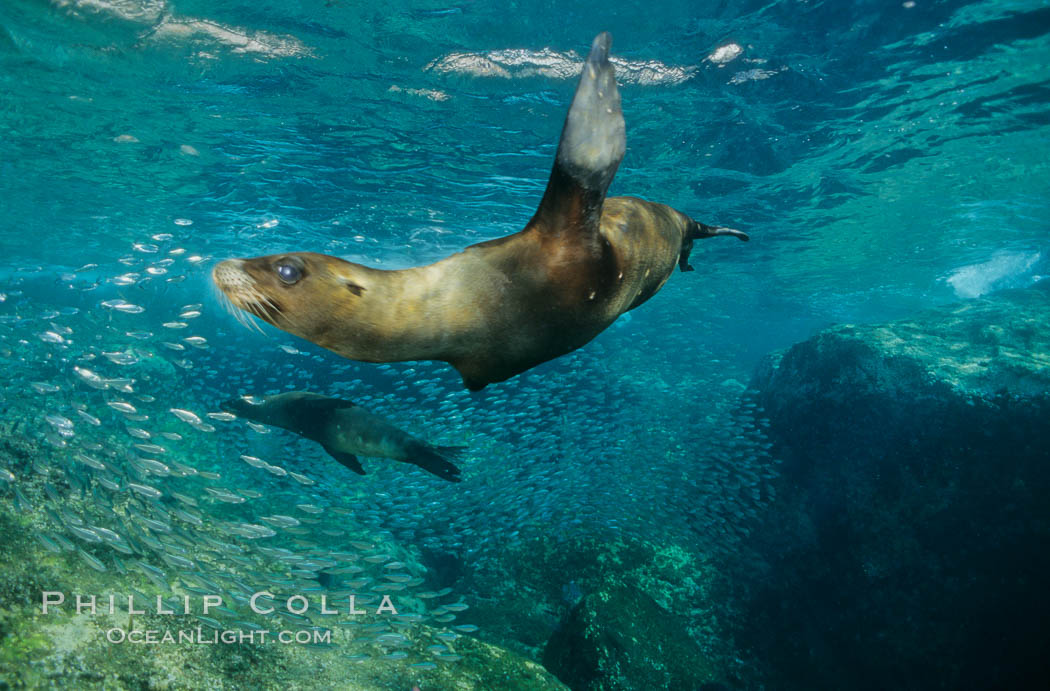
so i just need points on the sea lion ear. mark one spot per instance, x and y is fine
(354, 288)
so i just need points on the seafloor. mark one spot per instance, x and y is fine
(904, 545)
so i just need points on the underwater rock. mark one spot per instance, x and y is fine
(988, 348)
(526, 596)
(621, 639)
(907, 546)
(63, 648)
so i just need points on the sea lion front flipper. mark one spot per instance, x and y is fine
(591, 148)
(347, 459)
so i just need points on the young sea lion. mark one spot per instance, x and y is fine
(499, 307)
(346, 430)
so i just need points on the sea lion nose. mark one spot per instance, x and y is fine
(227, 272)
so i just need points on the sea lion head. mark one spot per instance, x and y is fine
(303, 293)
(238, 406)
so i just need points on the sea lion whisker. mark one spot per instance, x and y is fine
(227, 303)
(252, 307)
(267, 309)
(240, 315)
(255, 307)
(251, 324)
(265, 299)
(262, 312)
(243, 319)
(238, 294)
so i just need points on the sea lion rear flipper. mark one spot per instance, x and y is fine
(347, 459)
(702, 231)
(433, 460)
(591, 148)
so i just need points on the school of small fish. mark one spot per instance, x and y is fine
(115, 375)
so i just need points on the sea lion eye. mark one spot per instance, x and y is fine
(289, 273)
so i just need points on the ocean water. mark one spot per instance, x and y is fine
(885, 158)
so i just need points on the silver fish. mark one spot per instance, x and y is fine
(186, 416)
(91, 561)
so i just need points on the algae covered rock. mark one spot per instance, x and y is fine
(528, 596)
(985, 349)
(66, 649)
(621, 639)
(907, 547)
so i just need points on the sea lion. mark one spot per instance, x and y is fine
(346, 430)
(499, 307)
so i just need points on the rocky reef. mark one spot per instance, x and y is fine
(610, 614)
(621, 639)
(908, 545)
(67, 649)
(902, 544)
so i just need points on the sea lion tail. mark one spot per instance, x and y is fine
(435, 459)
(702, 231)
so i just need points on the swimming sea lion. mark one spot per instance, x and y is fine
(499, 307)
(346, 430)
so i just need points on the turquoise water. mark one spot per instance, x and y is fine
(884, 158)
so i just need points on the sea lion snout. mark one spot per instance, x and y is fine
(234, 281)
(234, 405)
(228, 273)
(246, 286)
